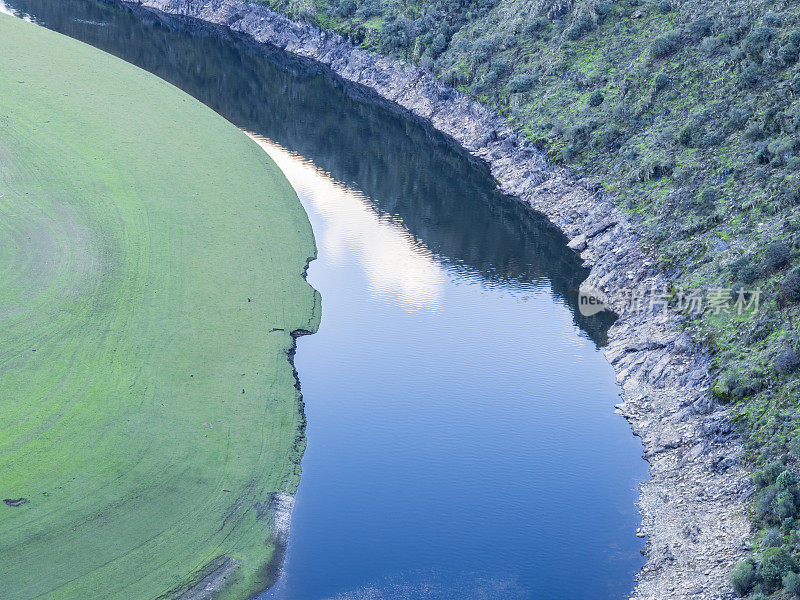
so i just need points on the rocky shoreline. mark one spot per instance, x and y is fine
(693, 507)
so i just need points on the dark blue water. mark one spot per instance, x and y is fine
(462, 442)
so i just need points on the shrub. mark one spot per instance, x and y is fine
(521, 83)
(454, 77)
(685, 136)
(710, 45)
(604, 8)
(700, 27)
(397, 33)
(743, 270)
(768, 474)
(754, 132)
(788, 53)
(791, 583)
(664, 6)
(757, 41)
(582, 25)
(438, 45)
(660, 82)
(750, 76)
(786, 361)
(370, 8)
(712, 138)
(776, 256)
(786, 479)
(763, 156)
(764, 501)
(775, 563)
(485, 48)
(784, 505)
(537, 27)
(773, 20)
(664, 45)
(772, 539)
(346, 8)
(610, 138)
(741, 577)
(596, 98)
(738, 117)
(790, 287)
(772, 64)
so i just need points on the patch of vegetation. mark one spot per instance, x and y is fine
(695, 137)
(152, 260)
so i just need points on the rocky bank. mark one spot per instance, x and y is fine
(693, 507)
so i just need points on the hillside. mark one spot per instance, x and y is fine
(686, 114)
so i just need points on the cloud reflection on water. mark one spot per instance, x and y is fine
(395, 264)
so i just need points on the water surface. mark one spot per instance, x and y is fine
(462, 442)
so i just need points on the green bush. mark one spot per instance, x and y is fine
(750, 76)
(791, 583)
(775, 564)
(738, 116)
(773, 20)
(700, 27)
(665, 45)
(521, 83)
(685, 136)
(744, 270)
(582, 25)
(787, 361)
(346, 8)
(754, 132)
(757, 41)
(438, 45)
(596, 98)
(784, 505)
(772, 539)
(537, 28)
(786, 480)
(763, 156)
(664, 6)
(768, 474)
(741, 577)
(660, 82)
(788, 53)
(790, 287)
(776, 256)
(710, 45)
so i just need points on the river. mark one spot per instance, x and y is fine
(462, 440)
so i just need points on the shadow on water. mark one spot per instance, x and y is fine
(444, 198)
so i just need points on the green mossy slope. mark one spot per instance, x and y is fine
(151, 259)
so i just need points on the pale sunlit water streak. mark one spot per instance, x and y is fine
(395, 264)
